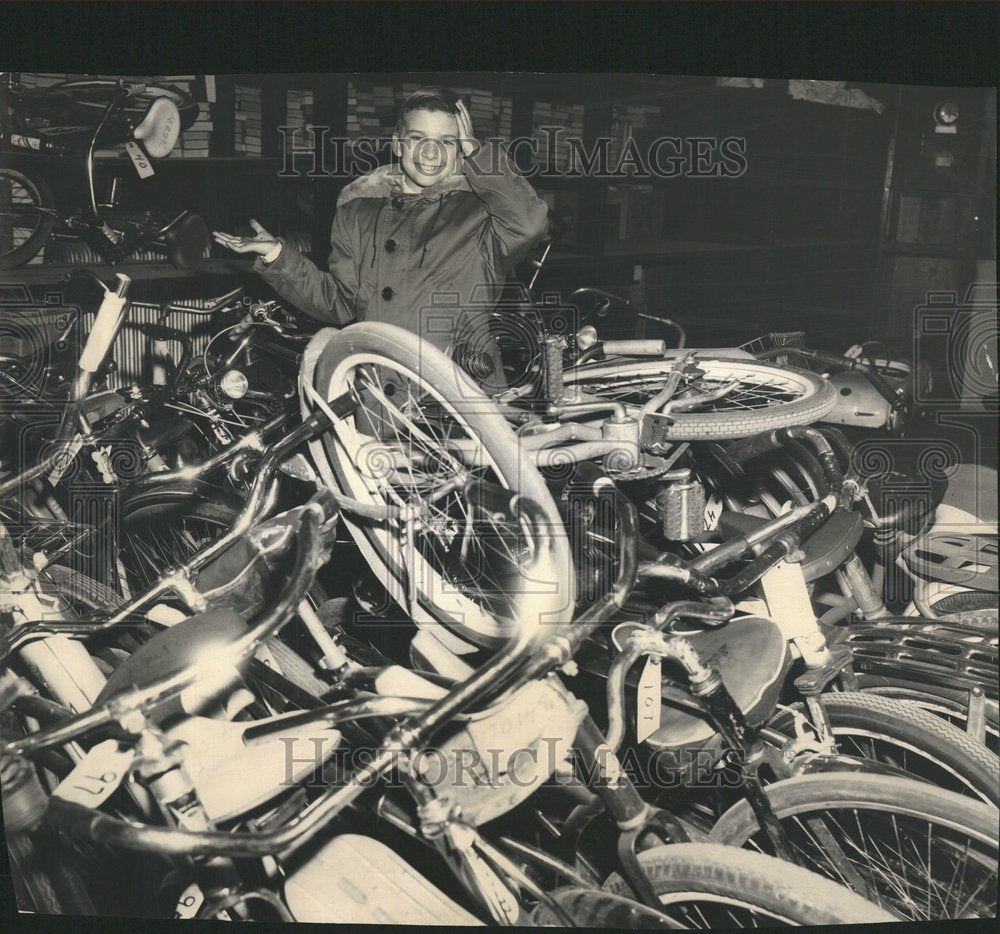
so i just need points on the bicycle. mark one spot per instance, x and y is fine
(48, 135)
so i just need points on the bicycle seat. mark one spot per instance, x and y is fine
(751, 655)
(159, 129)
(186, 240)
(169, 652)
(825, 550)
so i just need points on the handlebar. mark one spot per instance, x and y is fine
(782, 536)
(118, 710)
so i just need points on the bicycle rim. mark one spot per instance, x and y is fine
(419, 432)
(907, 737)
(471, 552)
(25, 218)
(164, 534)
(764, 396)
(917, 851)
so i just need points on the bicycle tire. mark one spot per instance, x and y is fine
(214, 508)
(79, 588)
(814, 396)
(434, 600)
(36, 188)
(926, 745)
(961, 824)
(90, 97)
(951, 705)
(46, 878)
(721, 875)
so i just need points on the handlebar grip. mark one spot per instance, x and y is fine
(753, 446)
(635, 348)
(131, 89)
(104, 331)
(833, 359)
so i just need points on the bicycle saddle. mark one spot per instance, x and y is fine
(169, 652)
(186, 240)
(824, 551)
(159, 129)
(751, 655)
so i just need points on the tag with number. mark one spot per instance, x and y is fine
(139, 159)
(190, 902)
(97, 775)
(648, 700)
(66, 457)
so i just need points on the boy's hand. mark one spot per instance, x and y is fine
(465, 135)
(261, 244)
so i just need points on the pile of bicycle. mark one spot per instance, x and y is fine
(338, 627)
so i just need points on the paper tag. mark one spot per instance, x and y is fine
(97, 775)
(190, 902)
(139, 159)
(66, 458)
(648, 700)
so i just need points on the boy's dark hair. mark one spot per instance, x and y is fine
(433, 98)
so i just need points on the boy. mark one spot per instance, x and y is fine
(450, 220)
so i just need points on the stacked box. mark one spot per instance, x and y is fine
(569, 119)
(625, 119)
(298, 115)
(248, 125)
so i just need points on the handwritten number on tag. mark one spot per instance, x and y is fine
(648, 700)
(97, 775)
(190, 902)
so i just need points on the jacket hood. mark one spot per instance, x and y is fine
(385, 181)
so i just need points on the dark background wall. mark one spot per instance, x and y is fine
(842, 221)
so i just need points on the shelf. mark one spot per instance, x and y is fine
(201, 160)
(53, 272)
(657, 248)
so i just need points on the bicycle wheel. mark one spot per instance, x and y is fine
(766, 397)
(918, 851)
(706, 886)
(164, 526)
(950, 705)
(421, 429)
(90, 98)
(27, 216)
(904, 735)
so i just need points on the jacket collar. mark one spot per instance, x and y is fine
(384, 182)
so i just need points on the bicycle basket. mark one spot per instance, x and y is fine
(780, 340)
(968, 560)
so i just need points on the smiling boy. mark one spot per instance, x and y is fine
(441, 227)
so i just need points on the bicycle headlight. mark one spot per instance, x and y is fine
(234, 384)
(586, 337)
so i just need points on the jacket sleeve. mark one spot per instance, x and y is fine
(325, 296)
(519, 218)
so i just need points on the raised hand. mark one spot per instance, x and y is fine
(465, 134)
(262, 243)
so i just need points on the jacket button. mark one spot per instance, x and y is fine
(387, 293)
(390, 245)
(397, 203)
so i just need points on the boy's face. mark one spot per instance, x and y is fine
(427, 147)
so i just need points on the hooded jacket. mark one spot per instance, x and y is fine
(430, 262)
